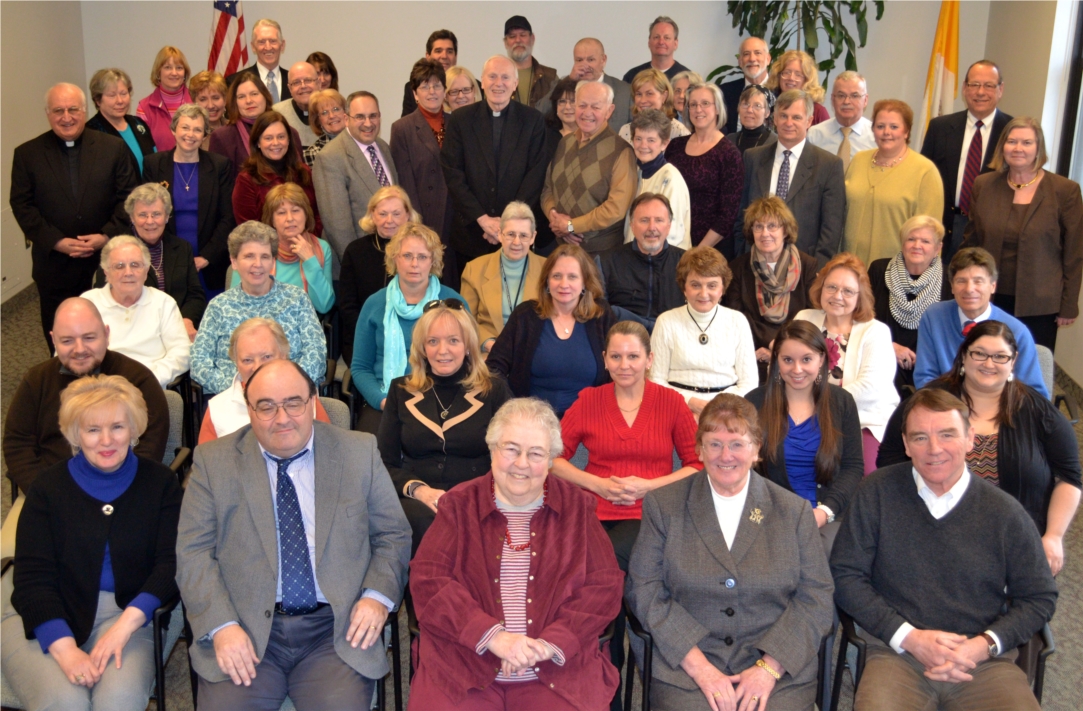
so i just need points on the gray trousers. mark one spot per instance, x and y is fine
(40, 683)
(300, 662)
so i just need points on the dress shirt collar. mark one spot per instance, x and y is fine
(940, 506)
(108, 291)
(986, 122)
(271, 458)
(983, 316)
(795, 152)
(264, 71)
(858, 128)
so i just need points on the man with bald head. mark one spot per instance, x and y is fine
(32, 438)
(494, 152)
(68, 188)
(588, 64)
(754, 61)
(592, 178)
(292, 549)
(303, 83)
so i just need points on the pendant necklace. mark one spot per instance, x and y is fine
(443, 410)
(187, 181)
(1020, 186)
(703, 337)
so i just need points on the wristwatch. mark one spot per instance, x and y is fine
(570, 227)
(993, 650)
(828, 512)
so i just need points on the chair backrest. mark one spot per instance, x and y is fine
(229, 277)
(1045, 362)
(337, 411)
(176, 426)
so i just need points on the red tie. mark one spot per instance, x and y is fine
(966, 328)
(973, 167)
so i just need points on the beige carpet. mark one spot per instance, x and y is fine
(22, 345)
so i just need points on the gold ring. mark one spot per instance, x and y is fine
(716, 694)
(80, 678)
(372, 627)
(754, 699)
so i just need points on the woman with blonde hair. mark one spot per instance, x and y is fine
(208, 89)
(462, 88)
(382, 339)
(797, 70)
(432, 433)
(94, 558)
(169, 75)
(652, 90)
(551, 347)
(326, 118)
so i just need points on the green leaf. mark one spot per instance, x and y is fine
(879, 8)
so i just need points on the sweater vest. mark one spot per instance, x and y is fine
(581, 180)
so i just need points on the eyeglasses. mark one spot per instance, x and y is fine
(512, 452)
(792, 74)
(361, 118)
(998, 358)
(303, 82)
(455, 93)
(134, 266)
(833, 289)
(330, 112)
(769, 227)
(267, 410)
(840, 97)
(988, 86)
(737, 446)
(156, 215)
(73, 110)
(453, 304)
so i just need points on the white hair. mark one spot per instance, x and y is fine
(608, 89)
(66, 85)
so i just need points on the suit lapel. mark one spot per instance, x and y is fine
(701, 511)
(1044, 188)
(257, 494)
(802, 172)
(484, 130)
(87, 159)
(512, 129)
(55, 157)
(361, 165)
(757, 510)
(492, 288)
(328, 469)
(425, 135)
(206, 180)
(767, 159)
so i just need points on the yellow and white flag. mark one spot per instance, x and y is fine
(942, 83)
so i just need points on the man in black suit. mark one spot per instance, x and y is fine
(268, 44)
(754, 61)
(68, 188)
(443, 47)
(494, 152)
(954, 140)
(809, 179)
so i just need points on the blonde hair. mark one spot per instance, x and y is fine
(423, 233)
(322, 96)
(922, 222)
(478, 377)
(164, 55)
(368, 225)
(207, 79)
(1040, 157)
(454, 73)
(94, 391)
(249, 325)
(661, 85)
(808, 68)
(283, 193)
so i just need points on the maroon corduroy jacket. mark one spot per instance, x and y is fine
(575, 590)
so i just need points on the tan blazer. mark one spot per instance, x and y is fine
(482, 288)
(1050, 255)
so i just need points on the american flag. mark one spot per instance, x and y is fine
(229, 48)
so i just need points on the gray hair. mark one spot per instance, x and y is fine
(652, 119)
(104, 78)
(148, 194)
(788, 98)
(716, 94)
(191, 111)
(265, 22)
(851, 75)
(249, 325)
(663, 19)
(252, 231)
(123, 241)
(691, 76)
(608, 89)
(530, 411)
(67, 85)
(518, 211)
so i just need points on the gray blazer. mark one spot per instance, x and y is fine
(817, 197)
(344, 182)
(227, 548)
(680, 573)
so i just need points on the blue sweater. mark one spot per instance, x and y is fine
(940, 334)
(367, 366)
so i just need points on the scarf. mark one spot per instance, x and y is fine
(436, 123)
(103, 486)
(395, 307)
(909, 298)
(242, 128)
(286, 255)
(773, 287)
(648, 169)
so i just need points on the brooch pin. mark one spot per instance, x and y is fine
(756, 516)
(164, 184)
(141, 129)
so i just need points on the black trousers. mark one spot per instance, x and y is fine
(52, 293)
(420, 517)
(1043, 328)
(622, 534)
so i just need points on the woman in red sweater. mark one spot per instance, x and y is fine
(272, 160)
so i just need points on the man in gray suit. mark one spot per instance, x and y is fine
(291, 551)
(349, 170)
(589, 62)
(809, 179)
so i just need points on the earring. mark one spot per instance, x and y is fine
(819, 378)
(135, 442)
(962, 370)
(778, 376)
(1011, 377)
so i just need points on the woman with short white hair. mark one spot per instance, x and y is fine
(144, 323)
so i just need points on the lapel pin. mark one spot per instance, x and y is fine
(756, 516)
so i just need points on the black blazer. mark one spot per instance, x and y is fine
(363, 274)
(835, 495)
(1036, 452)
(817, 197)
(181, 278)
(943, 145)
(47, 211)
(731, 97)
(139, 127)
(215, 207)
(479, 184)
(417, 159)
(283, 84)
(60, 546)
(411, 449)
(513, 352)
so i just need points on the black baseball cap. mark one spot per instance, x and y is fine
(518, 22)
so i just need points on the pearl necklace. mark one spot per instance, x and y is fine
(892, 164)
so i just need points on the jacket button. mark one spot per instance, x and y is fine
(728, 641)
(729, 611)
(266, 613)
(439, 466)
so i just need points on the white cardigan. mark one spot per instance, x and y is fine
(868, 372)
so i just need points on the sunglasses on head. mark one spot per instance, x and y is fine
(453, 304)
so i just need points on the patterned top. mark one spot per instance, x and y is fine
(311, 151)
(982, 460)
(715, 181)
(836, 353)
(286, 304)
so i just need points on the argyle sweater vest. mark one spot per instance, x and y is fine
(581, 178)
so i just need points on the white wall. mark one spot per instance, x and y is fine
(42, 44)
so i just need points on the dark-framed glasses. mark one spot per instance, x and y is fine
(453, 304)
(982, 356)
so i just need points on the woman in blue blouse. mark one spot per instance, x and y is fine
(415, 258)
(303, 259)
(812, 435)
(94, 557)
(111, 92)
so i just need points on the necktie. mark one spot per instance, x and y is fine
(973, 167)
(783, 186)
(298, 582)
(272, 87)
(378, 167)
(844, 147)
(966, 328)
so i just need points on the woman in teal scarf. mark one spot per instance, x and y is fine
(415, 257)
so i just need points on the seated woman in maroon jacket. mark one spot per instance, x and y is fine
(515, 582)
(274, 158)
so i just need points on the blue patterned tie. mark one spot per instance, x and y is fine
(298, 582)
(378, 168)
(272, 87)
(783, 186)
